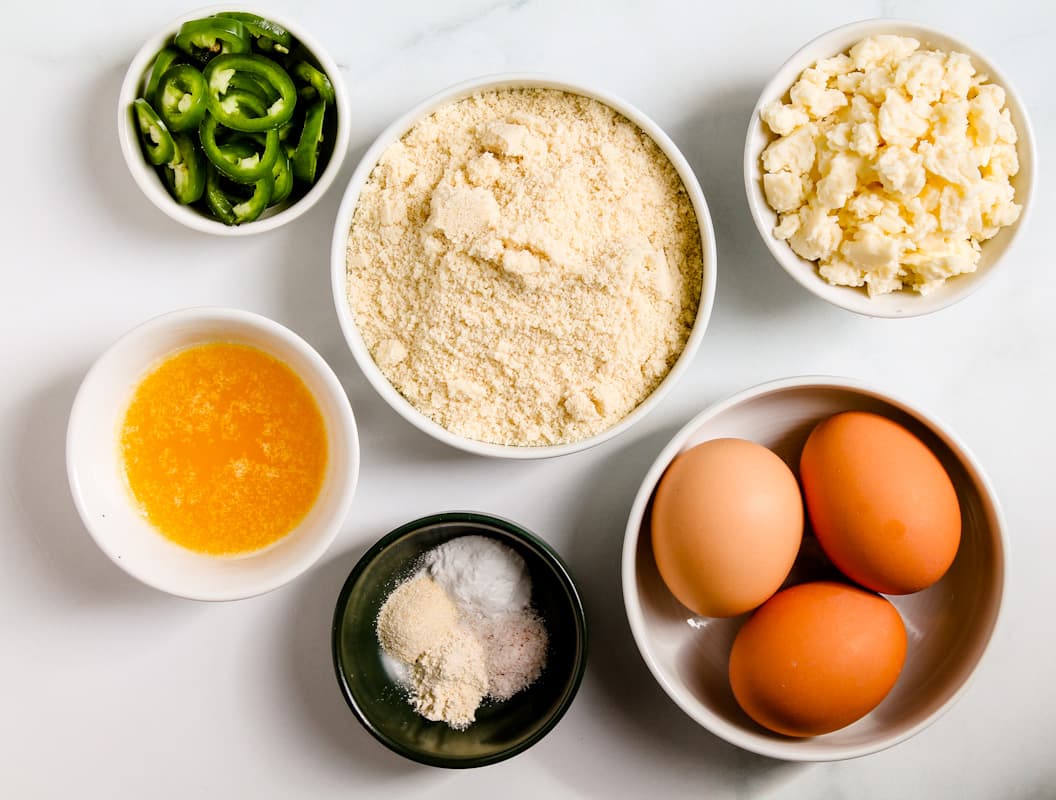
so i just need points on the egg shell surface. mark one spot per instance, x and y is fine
(727, 522)
(817, 657)
(880, 502)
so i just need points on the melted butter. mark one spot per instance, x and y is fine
(224, 448)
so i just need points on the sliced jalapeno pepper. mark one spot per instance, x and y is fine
(185, 174)
(234, 210)
(269, 46)
(240, 102)
(285, 131)
(258, 102)
(248, 168)
(316, 79)
(182, 94)
(204, 38)
(282, 176)
(249, 209)
(306, 155)
(261, 29)
(157, 142)
(251, 84)
(281, 172)
(165, 59)
(216, 199)
(218, 75)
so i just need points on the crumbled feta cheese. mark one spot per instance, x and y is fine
(882, 49)
(899, 121)
(818, 101)
(839, 182)
(793, 153)
(818, 234)
(783, 119)
(900, 170)
(784, 190)
(787, 225)
(890, 165)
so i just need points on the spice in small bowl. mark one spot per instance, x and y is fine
(459, 640)
(461, 629)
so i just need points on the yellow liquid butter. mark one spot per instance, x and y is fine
(224, 448)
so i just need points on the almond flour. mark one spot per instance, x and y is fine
(524, 266)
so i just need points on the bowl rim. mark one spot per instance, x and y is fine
(552, 559)
(392, 133)
(344, 427)
(853, 298)
(143, 173)
(761, 743)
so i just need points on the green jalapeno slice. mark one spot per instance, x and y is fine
(218, 75)
(282, 176)
(182, 97)
(158, 144)
(162, 61)
(251, 84)
(230, 207)
(218, 202)
(252, 207)
(185, 174)
(316, 79)
(306, 155)
(269, 35)
(205, 38)
(244, 167)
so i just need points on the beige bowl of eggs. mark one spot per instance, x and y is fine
(913, 651)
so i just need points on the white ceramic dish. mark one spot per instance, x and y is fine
(904, 303)
(344, 220)
(101, 494)
(146, 176)
(949, 624)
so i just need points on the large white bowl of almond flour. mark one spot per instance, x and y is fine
(523, 267)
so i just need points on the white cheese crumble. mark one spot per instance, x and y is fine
(891, 165)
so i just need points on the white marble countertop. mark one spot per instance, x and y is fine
(112, 689)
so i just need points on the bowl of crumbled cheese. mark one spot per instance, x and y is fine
(459, 640)
(522, 267)
(889, 168)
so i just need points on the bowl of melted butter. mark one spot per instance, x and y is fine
(212, 454)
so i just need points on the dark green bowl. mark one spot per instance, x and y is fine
(502, 729)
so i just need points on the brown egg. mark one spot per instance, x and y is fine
(727, 522)
(882, 506)
(816, 657)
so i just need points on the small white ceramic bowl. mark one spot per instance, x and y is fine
(146, 175)
(903, 303)
(344, 221)
(949, 624)
(101, 493)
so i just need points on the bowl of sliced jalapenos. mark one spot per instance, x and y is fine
(233, 121)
